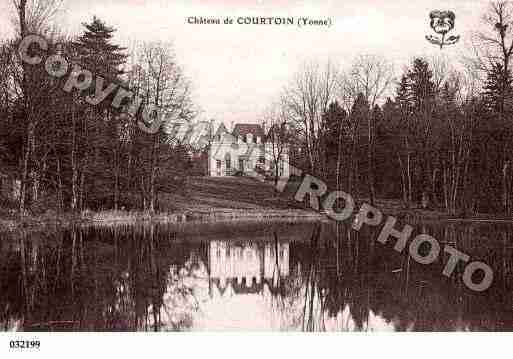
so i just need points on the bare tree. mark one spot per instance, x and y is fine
(372, 76)
(35, 16)
(279, 137)
(494, 45)
(442, 69)
(164, 88)
(32, 16)
(306, 99)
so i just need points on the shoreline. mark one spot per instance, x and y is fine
(111, 217)
(125, 217)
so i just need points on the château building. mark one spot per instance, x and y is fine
(245, 151)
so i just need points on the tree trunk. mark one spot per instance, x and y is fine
(116, 177)
(404, 180)
(153, 176)
(35, 175)
(81, 193)
(370, 158)
(505, 191)
(74, 164)
(434, 198)
(27, 155)
(339, 157)
(446, 190)
(25, 171)
(60, 192)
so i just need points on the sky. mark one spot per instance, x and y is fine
(238, 71)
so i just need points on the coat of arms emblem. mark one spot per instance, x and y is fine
(442, 22)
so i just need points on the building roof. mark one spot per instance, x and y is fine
(243, 129)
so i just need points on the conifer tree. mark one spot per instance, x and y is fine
(101, 149)
(498, 89)
(96, 51)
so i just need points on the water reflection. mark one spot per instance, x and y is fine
(308, 277)
(247, 266)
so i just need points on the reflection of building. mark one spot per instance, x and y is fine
(246, 267)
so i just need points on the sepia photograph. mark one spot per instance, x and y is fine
(255, 166)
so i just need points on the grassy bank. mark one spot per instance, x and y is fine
(125, 217)
(222, 199)
(203, 199)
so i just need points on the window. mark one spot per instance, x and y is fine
(218, 163)
(228, 159)
(261, 160)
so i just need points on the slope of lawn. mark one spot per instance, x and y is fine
(230, 193)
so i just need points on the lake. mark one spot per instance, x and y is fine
(248, 276)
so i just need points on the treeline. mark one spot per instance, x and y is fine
(60, 151)
(439, 136)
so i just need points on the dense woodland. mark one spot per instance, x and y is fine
(438, 134)
(71, 155)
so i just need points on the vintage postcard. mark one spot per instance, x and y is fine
(242, 166)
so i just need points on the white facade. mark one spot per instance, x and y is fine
(229, 155)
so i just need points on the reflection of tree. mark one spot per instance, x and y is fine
(186, 287)
(143, 278)
(162, 289)
(87, 279)
(351, 283)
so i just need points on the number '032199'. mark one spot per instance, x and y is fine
(24, 344)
